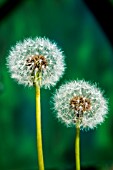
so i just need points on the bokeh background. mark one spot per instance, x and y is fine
(89, 56)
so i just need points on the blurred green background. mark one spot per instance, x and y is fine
(89, 56)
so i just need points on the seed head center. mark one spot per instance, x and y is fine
(37, 63)
(80, 104)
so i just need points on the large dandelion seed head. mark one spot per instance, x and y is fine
(79, 102)
(33, 61)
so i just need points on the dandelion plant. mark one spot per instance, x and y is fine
(80, 104)
(40, 63)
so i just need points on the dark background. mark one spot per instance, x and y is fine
(84, 32)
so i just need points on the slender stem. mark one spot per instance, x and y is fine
(38, 126)
(77, 148)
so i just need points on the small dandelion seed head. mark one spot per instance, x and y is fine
(32, 60)
(78, 101)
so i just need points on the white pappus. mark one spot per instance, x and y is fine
(80, 102)
(35, 59)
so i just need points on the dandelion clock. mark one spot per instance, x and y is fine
(80, 104)
(40, 63)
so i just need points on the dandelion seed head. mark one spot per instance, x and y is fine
(79, 101)
(36, 58)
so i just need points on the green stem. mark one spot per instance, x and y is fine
(38, 126)
(77, 147)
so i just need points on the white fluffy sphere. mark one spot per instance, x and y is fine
(33, 58)
(79, 101)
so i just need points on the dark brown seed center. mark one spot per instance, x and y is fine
(37, 62)
(80, 105)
